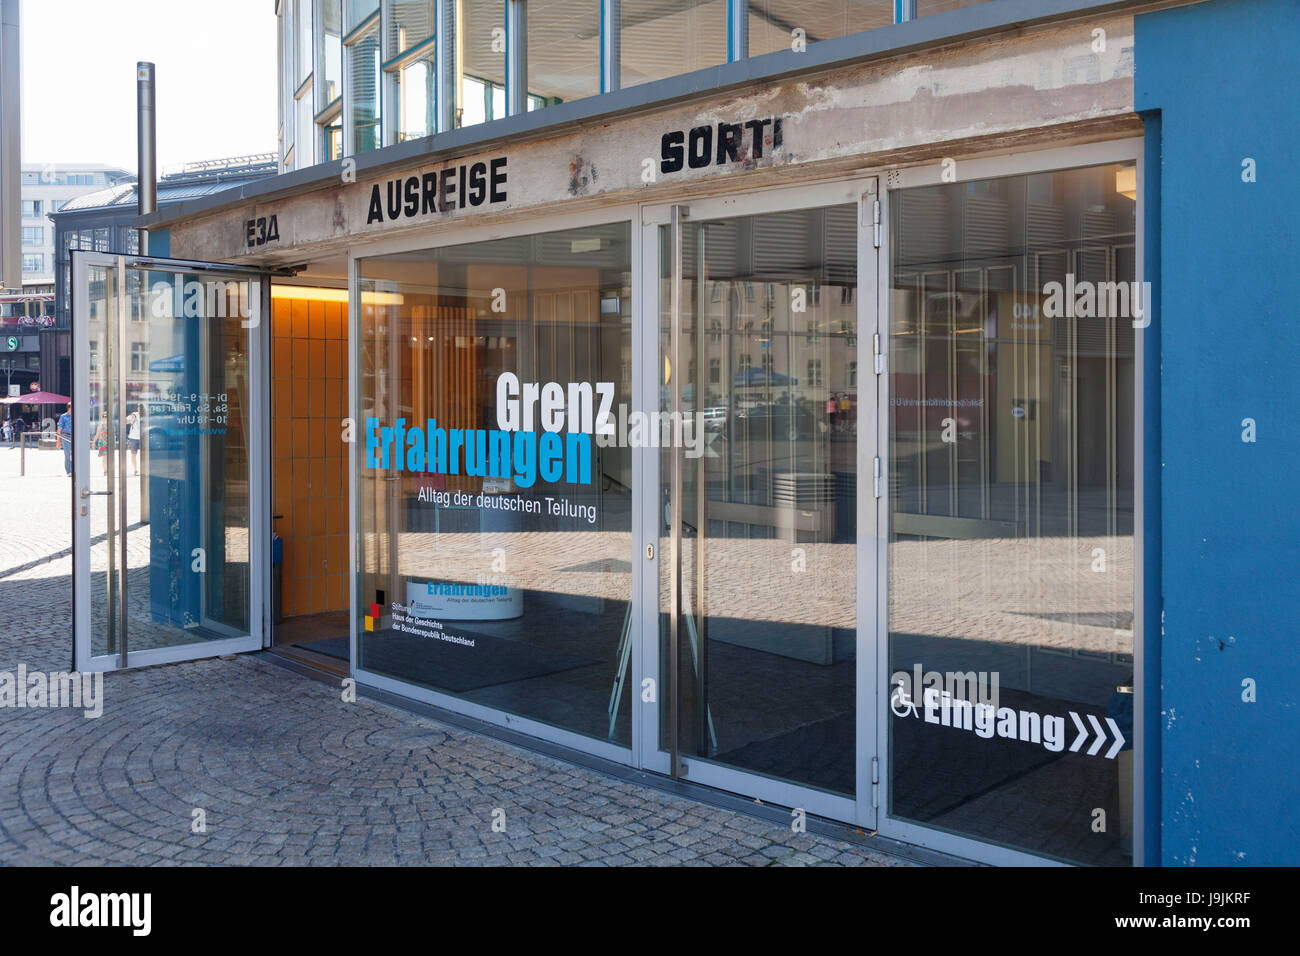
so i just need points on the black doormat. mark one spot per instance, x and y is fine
(458, 668)
(816, 755)
(937, 769)
(329, 646)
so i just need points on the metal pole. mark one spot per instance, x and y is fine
(146, 202)
(119, 447)
(675, 502)
(11, 266)
(516, 57)
(146, 147)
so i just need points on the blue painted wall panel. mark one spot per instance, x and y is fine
(1223, 75)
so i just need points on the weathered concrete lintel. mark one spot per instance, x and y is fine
(1086, 131)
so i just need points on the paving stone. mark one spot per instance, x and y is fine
(285, 771)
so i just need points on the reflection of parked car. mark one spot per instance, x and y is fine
(780, 422)
(715, 418)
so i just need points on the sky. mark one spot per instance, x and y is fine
(215, 76)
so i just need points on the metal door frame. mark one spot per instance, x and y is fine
(259, 474)
(859, 809)
(970, 170)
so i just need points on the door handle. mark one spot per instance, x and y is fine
(86, 492)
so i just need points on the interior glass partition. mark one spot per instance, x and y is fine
(1011, 465)
(495, 529)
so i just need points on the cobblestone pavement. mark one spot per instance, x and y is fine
(285, 772)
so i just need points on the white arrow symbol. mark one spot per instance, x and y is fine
(1101, 736)
(1083, 733)
(1119, 739)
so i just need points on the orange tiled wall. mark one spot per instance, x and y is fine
(309, 395)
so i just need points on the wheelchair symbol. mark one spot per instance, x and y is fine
(900, 703)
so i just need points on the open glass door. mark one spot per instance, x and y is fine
(169, 466)
(767, 578)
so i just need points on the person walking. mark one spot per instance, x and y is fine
(7, 432)
(133, 438)
(101, 439)
(64, 429)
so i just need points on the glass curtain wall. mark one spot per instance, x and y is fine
(767, 639)
(331, 85)
(563, 42)
(495, 529)
(412, 65)
(785, 24)
(925, 8)
(477, 61)
(363, 88)
(661, 38)
(1011, 463)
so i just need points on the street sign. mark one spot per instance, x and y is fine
(12, 342)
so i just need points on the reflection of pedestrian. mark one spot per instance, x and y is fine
(101, 439)
(133, 438)
(64, 430)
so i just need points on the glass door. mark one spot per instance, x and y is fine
(766, 485)
(169, 464)
(1008, 524)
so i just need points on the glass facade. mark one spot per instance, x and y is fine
(1011, 463)
(563, 38)
(495, 530)
(925, 8)
(416, 98)
(657, 39)
(787, 24)
(497, 555)
(363, 79)
(331, 85)
(410, 23)
(478, 62)
(302, 34)
(566, 50)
